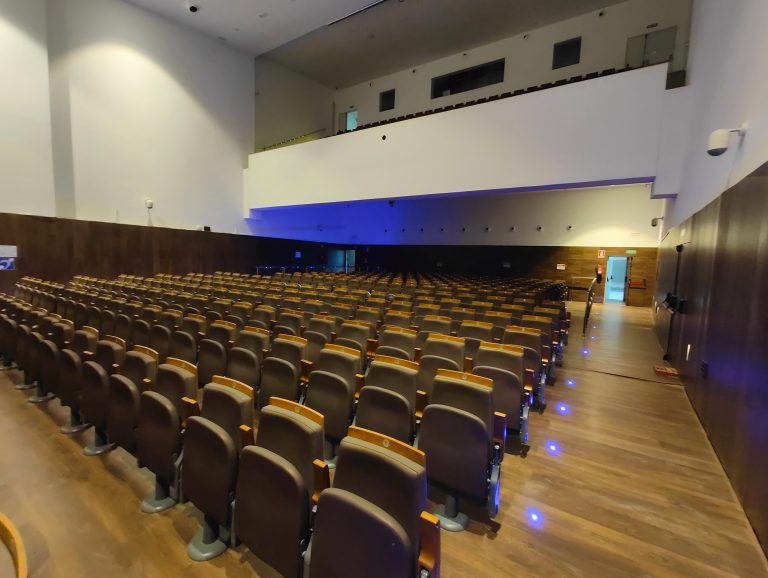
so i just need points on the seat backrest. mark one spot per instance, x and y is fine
(324, 324)
(176, 379)
(506, 357)
(470, 393)
(229, 404)
(222, 331)
(446, 346)
(357, 331)
(339, 360)
(289, 348)
(404, 339)
(255, 339)
(211, 360)
(477, 330)
(243, 365)
(386, 473)
(393, 374)
(436, 324)
(528, 337)
(140, 364)
(160, 340)
(110, 351)
(294, 432)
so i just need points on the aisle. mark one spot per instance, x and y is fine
(620, 479)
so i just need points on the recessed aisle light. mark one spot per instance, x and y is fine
(570, 382)
(553, 448)
(563, 409)
(535, 518)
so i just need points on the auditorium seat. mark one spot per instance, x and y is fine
(183, 346)
(512, 385)
(388, 400)
(282, 369)
(109, 356)
(355, 334)
(464, 440)
(397, 318)
(439, 352)
(397, 342)
(141, 332)
(331, 391)
(280, 478)
(244, 365)
(474, 333)
(289, 322)
(71, 359)
(158, 434)
(225, 332)
(212, 444)
(380, 485)
(211, 360)
(160, 341)
(137, 374)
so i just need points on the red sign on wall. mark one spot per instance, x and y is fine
(601, 253)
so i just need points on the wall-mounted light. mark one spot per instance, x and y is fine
(718, 139)
(655, 221)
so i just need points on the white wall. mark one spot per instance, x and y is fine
(729, 60)
(600, 130)
(156, 111)
(607, 216)
(105, 104)
(26, 167)
(289, 105)
(528, 60)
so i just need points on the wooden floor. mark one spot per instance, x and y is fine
(633, 487)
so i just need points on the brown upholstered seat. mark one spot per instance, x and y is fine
(382, 487)
(275, 486)
(457, 433)
(158, 433)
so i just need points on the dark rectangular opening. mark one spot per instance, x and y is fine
(386, 100)
(468, 79)
(566, 53)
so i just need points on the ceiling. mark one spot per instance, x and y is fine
(390, 36)
(255, 26)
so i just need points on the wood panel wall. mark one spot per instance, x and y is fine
(538, 262)
(724, 279)
(58, 249)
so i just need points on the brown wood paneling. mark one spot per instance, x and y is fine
(724, 279)
(58, 249)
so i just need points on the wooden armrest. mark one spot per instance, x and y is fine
(115, 368)
(546, 351)
(454, 333)
(371, 348)
(264, 353)
(322, 479)
(429, 555)
(306, 369)
(189, 408)
(468, 364)
(359, 381)
(146, 384)
(414, 328)
(200, 335)
(528, 380)
(231, 343)
(333, 336)
(88, 355)
(500, 431)
(421, 402)
(417, 353)
(246, 436)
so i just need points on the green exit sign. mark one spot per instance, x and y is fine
(631, 251)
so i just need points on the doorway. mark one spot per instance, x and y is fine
(616, 280)
(652, 48)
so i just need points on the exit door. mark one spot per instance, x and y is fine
(616, 280)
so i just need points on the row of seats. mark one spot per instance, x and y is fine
(271, 491)
(530, 89)
(290, 342)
